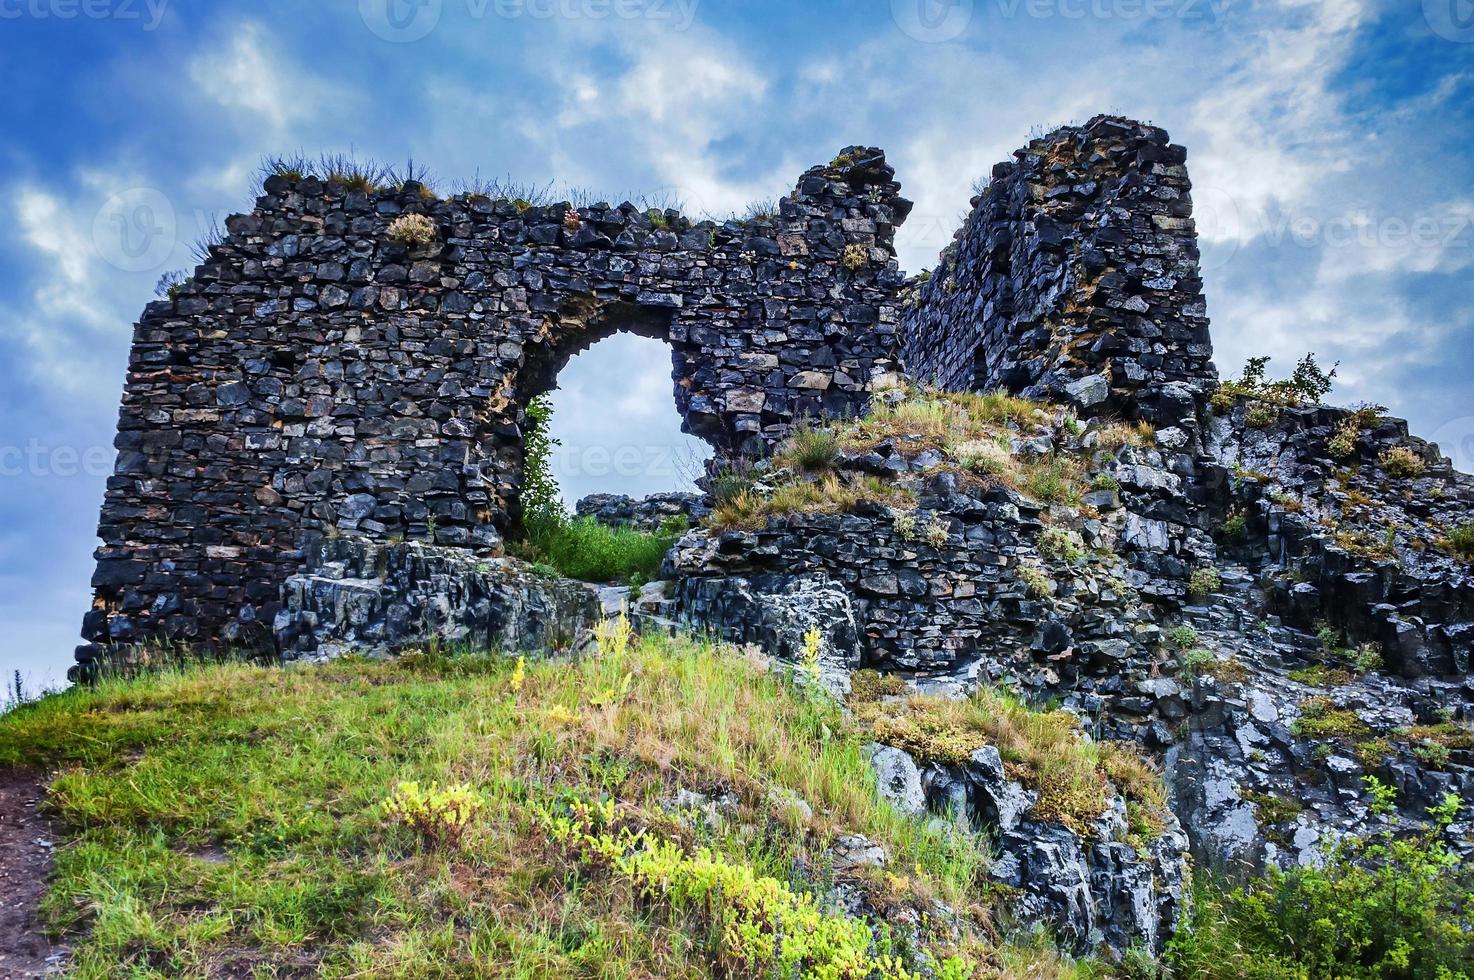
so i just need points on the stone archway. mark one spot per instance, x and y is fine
(497, 456)
(397, 414)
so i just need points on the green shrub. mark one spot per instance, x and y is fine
(1308, 384)
(1038, 584)
(1183, 637)
(1236, 527)
(414, 230)
(1104, 481)
(904, 521)
(1260, 416)
(1402, 462)
(1058, 543)
(1432, 754)
(1203, 582)
(1380, 907)
(541, 500)
(935, 531)
(1460, 540)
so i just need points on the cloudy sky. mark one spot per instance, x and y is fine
(1329, 142)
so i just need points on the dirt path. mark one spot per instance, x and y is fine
(25, 860)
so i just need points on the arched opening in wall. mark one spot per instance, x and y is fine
(616, 425)
(603, 437)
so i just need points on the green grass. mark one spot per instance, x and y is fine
(582, 548)
(228, 820)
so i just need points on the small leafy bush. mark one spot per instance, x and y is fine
(1059, 543)
(1402, 462)
(904, 521)
(1308, 384)
(1182, 637)
(1260, 416)
(1038, 584)
(413, 230)
(984, 456)
(438, 817)
(935, 531)
(1204, 582)
(1104, 481)
(1432, 754)
(1236, 526)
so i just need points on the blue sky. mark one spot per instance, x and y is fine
(1329, 141)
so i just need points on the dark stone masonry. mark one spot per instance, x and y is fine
(315, 373)
(1075, 278)
(321, 447)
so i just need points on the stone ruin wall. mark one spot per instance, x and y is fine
(1075, 278)
(316, 378)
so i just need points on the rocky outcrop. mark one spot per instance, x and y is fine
(1097, 892)
(651, 513)
(360, 597)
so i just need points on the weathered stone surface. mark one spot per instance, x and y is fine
(646, 514)
(1075, 277)
(898, 778)
(1096, 892)
(359, 597)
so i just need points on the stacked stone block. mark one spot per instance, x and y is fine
(1074, 278)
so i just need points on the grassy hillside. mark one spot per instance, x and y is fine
(232, 821)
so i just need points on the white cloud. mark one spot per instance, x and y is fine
(249, 77)
(1270, 130)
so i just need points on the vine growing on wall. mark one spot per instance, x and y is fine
(542, 502)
